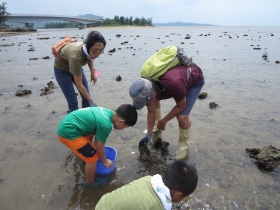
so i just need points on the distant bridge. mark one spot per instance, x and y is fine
(30, 20)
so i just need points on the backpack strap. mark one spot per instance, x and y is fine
(162, 87)
(189, 70)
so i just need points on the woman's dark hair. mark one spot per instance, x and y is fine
(128, 113)
(92, 38)
(181, 176)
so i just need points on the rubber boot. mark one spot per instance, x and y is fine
(183, 143)
(157, 133)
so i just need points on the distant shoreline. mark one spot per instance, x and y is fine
(4, 33)
(13, 33)
(116, 27)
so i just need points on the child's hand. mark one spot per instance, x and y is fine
(108, 163)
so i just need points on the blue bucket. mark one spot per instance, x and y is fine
(111, 154)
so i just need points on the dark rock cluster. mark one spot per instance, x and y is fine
(23, 92)
(267, 158)
(48, 90)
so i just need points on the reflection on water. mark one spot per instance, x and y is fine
(38, 172)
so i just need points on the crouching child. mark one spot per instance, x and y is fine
(77, 130)
(153, 192)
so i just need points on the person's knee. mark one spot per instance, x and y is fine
(184, 121)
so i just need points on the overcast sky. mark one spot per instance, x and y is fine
(217, 12)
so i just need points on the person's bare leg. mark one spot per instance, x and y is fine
(90, 172)
(184, 121)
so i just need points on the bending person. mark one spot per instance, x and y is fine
(181, 83)
(68, 69)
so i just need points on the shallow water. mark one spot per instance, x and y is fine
(38, 172)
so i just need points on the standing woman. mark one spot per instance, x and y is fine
(68, 69)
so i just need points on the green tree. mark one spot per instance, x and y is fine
(149, 21)
(143, 21)
(106, 21)
(116, 18)
(122, 20)
(126, 21)
(3, 13)
(137, 21)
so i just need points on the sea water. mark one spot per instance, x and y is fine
(38, 172)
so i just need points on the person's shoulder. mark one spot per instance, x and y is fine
(106, 109)
(145, 178)
(73, 47)
(81, 112)
(178, 67)
(75, 44)
(104, 112)
(174, 71)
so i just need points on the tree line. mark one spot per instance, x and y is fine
(116, 21)
(121, 20)
(3, 13)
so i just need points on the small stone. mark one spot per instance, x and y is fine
(118, 78)
(212, 105)
(202, 95)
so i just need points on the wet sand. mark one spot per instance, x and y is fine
(5, 33)
(38, 172)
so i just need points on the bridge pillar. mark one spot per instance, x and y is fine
(82, 26)
(31, 26)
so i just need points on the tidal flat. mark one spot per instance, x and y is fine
(38, 172)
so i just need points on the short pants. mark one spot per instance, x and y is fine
(191, 97)
(82, 147)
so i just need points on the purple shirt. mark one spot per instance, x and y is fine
(175, 82)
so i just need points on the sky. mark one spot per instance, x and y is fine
(216, 12)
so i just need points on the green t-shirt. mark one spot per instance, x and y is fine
(87, 121)
(74, 56)
(137, 195)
